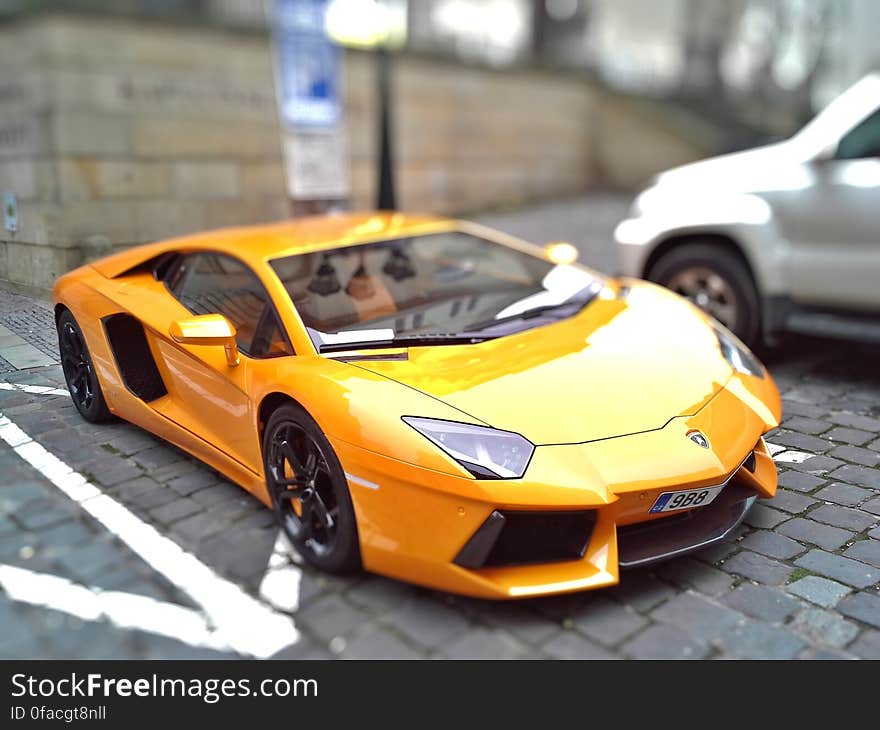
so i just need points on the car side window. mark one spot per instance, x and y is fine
(862, 141)
(207, 283)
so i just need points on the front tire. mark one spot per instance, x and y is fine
(717, 281)
(79, 371)
(309, 491)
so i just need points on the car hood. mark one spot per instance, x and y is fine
(772, 167)
(630, 361)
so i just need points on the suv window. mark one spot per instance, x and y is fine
(861, 141)
(208, 283)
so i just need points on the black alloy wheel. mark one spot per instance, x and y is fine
(309, 491)
(79, 371)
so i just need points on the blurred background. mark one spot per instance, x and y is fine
(124, 121)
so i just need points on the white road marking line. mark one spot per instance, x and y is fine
(792, 457)
(280, 584)
(34, 389)
(123, 610)
(774, 448)
(785, 455)
(360, 481)
(238, 620)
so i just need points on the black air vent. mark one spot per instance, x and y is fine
(133, 357)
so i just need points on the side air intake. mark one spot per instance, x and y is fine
(133, 357)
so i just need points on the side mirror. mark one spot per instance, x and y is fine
(207, 329)
(561, 252)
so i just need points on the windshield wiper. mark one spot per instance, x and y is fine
(576, 303)
(423, 340)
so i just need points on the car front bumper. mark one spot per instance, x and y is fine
(416, 525)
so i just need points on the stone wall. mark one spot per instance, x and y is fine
(115, 132)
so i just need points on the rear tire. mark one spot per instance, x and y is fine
(716, 280)
(309, 491)
(79, 371)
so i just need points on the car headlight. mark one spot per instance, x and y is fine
(484, 452)
(736, 353)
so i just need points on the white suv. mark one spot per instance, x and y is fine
(783, 237)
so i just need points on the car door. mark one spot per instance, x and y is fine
(833, 225)
(209, 396)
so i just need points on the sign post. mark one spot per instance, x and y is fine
(307, 80)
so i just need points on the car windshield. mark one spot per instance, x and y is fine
(440, 288)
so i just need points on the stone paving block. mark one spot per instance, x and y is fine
(764, 517)
(811, 426)
(606, 621)
(848, 519)
(38, 515)
(862, 606)
(875, 533)
(793, 407)
(717, 553)
(134, 487)
(799, 482)
(816, 465)
(701, 618)
(330, 616)
(867, 646)
(664, 642)
(199, 526)
(520, 620)
(857, 455)
(865, 423)
(824, 627)
(131, 442)
(825, 536)
(821, 591)
(868, 551)
(571, 645)
(642, 590)
(87, 562)
(850, 435)
(178, 468)
(845, 570)
(772, 544)
(193, 482)
(801, 442)
(872, 506)
(859, 475)
(378, 643)
(171, 512)
(428, 622)
(769, 604)
(875, 445)
(755, 640)
(845, 494)
(483, 643)
(758, 568)
(156, 457)
(379, 594)
(690, 573)
(215, 494)
(120, 471)
(791, 502)
(25, 355)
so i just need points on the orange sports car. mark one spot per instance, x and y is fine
(429, 399)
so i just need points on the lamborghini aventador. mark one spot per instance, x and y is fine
(429, 399)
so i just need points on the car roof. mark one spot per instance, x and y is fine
(256, 244)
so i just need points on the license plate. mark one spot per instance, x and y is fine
(685, 499)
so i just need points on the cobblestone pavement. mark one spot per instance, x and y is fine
(799, 579)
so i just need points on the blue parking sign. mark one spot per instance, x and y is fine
(307, 65)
